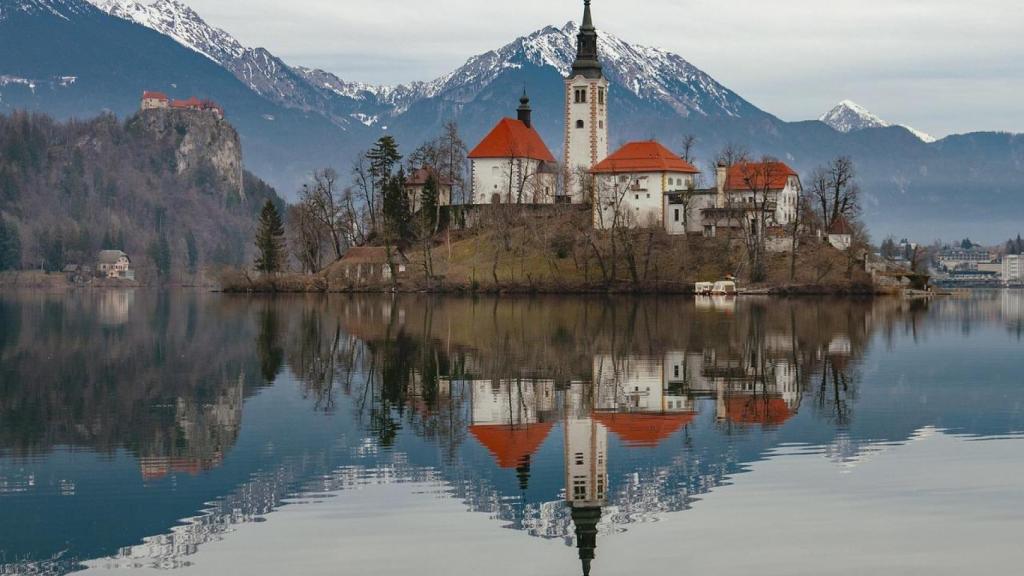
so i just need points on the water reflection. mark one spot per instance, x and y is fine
(570, 419)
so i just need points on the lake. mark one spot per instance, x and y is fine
(214, 434)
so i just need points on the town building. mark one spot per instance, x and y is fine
(416, 181)
(965, 259)
(115, 264)
(1013, 269)
(512, 165)
(586, 112)
(632, 187)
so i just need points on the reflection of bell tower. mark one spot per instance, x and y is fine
(586, 470)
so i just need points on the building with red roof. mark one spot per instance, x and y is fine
(417, 180)
(632, 186)
(840, 234)
(743, 190)
(512, 165)
(757, 409)
(154, 100)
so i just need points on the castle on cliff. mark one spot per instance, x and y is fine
(160, 101)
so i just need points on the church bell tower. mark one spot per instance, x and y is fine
(586, 111)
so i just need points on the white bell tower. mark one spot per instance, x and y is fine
(586, 111)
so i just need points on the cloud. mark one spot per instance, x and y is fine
(794, 58)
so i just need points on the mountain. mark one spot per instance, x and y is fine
(294, 119)
(848, 116)
(71, 60)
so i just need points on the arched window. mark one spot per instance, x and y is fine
(579, 123)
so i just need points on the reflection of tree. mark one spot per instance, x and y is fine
(268, 345)
(836, 392)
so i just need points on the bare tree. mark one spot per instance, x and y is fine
(688, 144)
(731, 155)
(367, 190)
(308, 237)
(754, 210)
(835, 191)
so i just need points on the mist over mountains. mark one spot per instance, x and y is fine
(71, 58)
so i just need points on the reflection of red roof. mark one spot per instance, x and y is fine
(154, 96)
(510, 445)
(644, 429)
(512, 139)
(741, 176)
(769, 410)
(643, 157)
(157, 467)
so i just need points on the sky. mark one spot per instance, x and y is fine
(941, 66)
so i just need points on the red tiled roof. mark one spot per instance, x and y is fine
(419, 177)
(741, 176)
(746, 409)
(644, 429)
(512, 139)
(147, 95)
(841, 227)
(192, 102)
(510, 445)
(643, 157)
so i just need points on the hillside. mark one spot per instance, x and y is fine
(71, 189)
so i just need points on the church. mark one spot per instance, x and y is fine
(643, 184)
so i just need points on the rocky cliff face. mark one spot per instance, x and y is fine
(206, 147)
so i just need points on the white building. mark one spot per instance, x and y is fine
(632, 187)
(745, 188)
(1013, 269)
(840, 234)
(512, 165)
(115, 264)
(586, 111)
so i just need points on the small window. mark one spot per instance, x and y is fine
(600, 124)
(600, 96)
(579, 123)
(677, 220)
(637, 196)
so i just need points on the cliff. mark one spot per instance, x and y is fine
(203, 144)
(166, 186)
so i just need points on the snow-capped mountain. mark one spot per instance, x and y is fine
(848, 116)
(649, 74)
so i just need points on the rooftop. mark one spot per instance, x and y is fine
(649, 156)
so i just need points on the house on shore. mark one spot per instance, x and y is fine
(114, 264)
(370, 265)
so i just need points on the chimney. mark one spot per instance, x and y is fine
(721, 172)
(525, 112)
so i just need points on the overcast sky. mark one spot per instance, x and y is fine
(941, 66)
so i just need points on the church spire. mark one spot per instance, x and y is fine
(587, 63)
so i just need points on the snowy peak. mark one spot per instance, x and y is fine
(848, 116)
(180, 22)
(64, 9)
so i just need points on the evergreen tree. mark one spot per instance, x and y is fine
(192, 252)
(397, 220)
(160, 253)
(10, 246)
(428, 204)
(383, 157)
(270, 240)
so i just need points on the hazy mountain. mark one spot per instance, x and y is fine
(848, 116)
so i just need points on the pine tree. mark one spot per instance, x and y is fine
(383, 157)
(428, 204)
(192, 252)
(10, 246)
(270, 240)
(160, 253)
(397, 220)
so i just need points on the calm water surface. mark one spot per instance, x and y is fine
(208, 434)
